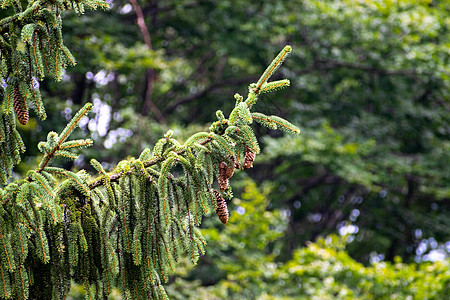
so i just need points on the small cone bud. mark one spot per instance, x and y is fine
(20, 107)
(222, 210)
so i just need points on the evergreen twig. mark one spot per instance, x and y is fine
(115, 177)
(144, 216)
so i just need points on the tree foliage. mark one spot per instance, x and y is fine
(127, 228)
(241, 264)
(369, 86)
(375, 103)
(370, 89)
(31, 48)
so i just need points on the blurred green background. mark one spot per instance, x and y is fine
(356, 207)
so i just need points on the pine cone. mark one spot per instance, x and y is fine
(249, 158)
(20, 106)
(229, 171)
(225, 172)
(222, 210)
(223, 179)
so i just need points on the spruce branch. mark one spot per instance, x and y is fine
(116, 176)
(276, 63)
(31, 48)
(56, 143)
(142, 216)
(239, 113)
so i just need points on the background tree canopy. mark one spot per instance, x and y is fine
(370, 84)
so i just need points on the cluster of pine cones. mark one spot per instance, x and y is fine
(225, 173)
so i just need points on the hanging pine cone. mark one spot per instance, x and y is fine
(222, 210)
(229, 171)
(20, 106)
(225, 172)
(249, 158)
(237, 165)
(223, 179)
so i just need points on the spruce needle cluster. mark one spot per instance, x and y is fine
(123, 229)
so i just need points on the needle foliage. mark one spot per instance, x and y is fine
(123, 229)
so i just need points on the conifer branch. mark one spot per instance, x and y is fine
(254, 89)
(116, 176)
(276, 63)
(64, 135)
(35, 28)
(142, 215)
